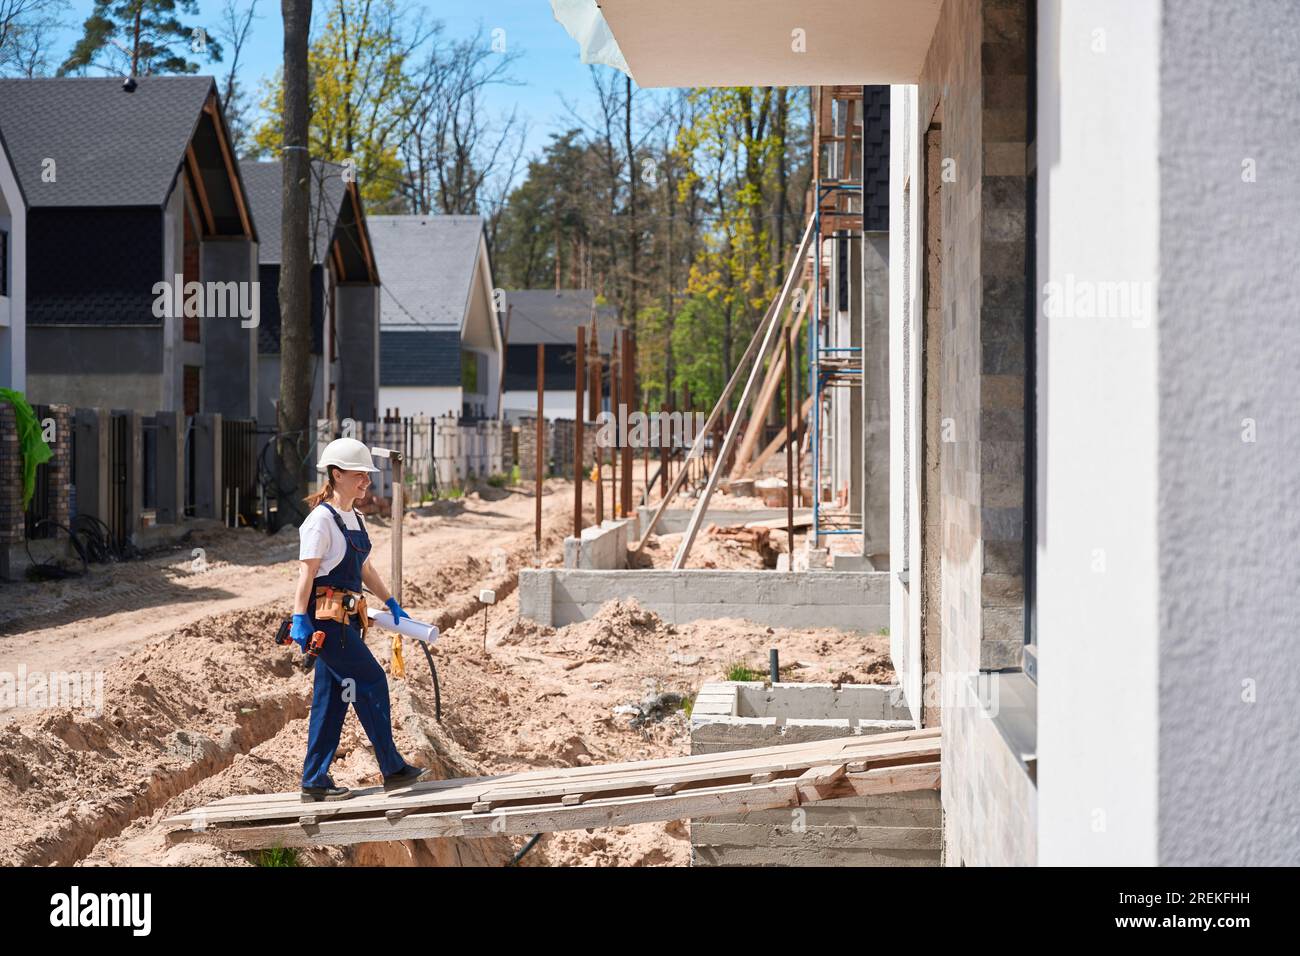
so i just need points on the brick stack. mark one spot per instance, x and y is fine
(59, 467)
(11, 478)
(528, 448)
(561, 445)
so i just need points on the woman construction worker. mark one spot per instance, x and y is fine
(334, 563)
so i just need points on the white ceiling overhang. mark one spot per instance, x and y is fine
(772, 42)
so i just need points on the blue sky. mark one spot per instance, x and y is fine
(548, 68)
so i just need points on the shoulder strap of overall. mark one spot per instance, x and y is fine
(338, 520)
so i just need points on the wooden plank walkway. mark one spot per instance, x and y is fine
(673, 788)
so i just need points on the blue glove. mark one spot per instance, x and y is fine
(396, 610)
(301, 630)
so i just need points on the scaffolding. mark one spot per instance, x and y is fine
(837, 211)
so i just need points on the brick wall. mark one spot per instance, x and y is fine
(975, 87)
(561, 444)
(11, 478)
(59, 467)
(528, 448)
(990, 804)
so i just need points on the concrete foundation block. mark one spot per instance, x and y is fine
(895, 829)
(852, 601)
(535, 596)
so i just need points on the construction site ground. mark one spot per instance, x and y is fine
(199, 704)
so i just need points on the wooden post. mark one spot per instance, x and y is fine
(579, 387)
(399, 506)
(789, 452)
(686, 410)
(629, 401)
(505, 351)
(613, 408)
(664, 457)
(541, 455)
(597, 391)
(796, 437)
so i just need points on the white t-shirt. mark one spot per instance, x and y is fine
(320, 537)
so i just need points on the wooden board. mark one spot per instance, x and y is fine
(578, 797)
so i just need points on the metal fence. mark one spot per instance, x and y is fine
(239, 493)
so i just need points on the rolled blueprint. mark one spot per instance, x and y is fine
(406, 627)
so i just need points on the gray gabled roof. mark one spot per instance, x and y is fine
(110, 147)
(428, 264)
(263, 182)
(552, 316)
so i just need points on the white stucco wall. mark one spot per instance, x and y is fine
(556, 404)
(13, 307)
(420, 401)
(1098, 591)
(1229, 757)
(904, 377)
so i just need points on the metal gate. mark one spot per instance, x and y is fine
(239, 468)
(119, 477)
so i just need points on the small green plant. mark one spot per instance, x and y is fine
(277, 856)
(884, 631)
(498, 481)
(448, 494)
(742, 672)
(688, 705)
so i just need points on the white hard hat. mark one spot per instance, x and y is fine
(348, 454)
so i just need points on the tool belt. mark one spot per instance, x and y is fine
(337, 604)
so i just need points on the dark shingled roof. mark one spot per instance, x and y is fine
(110, 147)
(264, 185)
(420, 359)
(551, 317)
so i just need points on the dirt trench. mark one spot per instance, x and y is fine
(214, 698)
(213, 709)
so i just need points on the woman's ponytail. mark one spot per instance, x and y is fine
(326, 489)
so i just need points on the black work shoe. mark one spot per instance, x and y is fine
(316, 794)
(404, 778)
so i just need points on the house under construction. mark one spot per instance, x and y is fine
(1042, 303)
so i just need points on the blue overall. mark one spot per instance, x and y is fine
(345, 657)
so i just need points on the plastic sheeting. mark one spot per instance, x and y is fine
(584, 22)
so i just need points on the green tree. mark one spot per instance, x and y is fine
(141, 37)
(358, 82)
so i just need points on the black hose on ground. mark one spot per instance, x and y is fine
(52, 570)
(437, 693)
(532, 842)
(99, 545)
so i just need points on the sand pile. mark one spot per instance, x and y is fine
(173, 714)
(617, 626)
(707, 552)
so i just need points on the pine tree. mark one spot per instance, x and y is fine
(141, 37)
